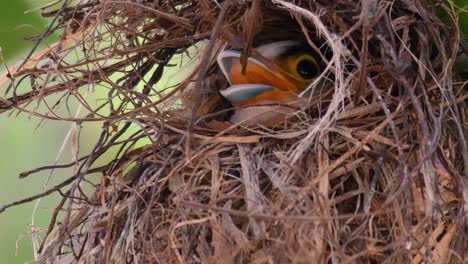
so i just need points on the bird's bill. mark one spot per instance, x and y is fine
(240, 93)
(259, 83)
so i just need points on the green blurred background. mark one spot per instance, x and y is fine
(26, 143)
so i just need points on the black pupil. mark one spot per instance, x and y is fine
(307, 69)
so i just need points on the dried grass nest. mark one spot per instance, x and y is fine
(373, 172)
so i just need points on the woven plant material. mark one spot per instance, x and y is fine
(372, 169)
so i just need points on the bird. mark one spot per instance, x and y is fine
(274, 76)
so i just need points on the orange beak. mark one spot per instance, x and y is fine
(263, 81)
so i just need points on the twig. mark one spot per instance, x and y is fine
(205, 65)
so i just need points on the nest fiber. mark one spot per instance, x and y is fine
(372, 169)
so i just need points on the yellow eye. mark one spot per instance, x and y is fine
(306, 67)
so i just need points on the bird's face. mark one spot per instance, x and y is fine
(275, 73)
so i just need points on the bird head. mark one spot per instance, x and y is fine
(274, 74)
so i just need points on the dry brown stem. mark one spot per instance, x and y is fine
(372, 170)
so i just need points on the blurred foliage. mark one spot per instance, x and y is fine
(15, 26)
(21, 148)
(462, 11)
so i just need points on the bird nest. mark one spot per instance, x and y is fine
(371, 170)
